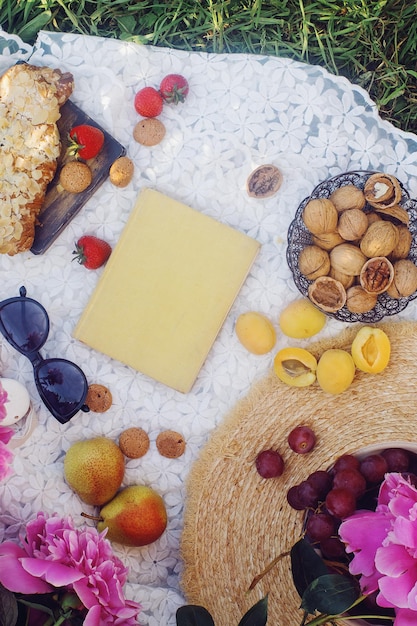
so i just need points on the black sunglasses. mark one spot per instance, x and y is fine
(61, 384)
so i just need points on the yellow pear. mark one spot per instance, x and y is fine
(94, 469)
(135, 517)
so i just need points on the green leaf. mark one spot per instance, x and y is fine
(8, 607)
(193, 615)
(257, 615)
(306, 565)
(332, 594)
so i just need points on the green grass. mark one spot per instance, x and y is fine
(371, 42)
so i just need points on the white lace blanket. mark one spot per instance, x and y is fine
(242, 111)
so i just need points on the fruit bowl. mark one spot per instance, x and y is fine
(299, 237)
(369, 472)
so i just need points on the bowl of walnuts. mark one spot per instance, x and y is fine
(352, 246)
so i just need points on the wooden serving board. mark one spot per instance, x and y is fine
(61, 206)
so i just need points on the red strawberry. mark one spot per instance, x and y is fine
(91, 251)
(148, 102)
(174, 88)
(85, 141)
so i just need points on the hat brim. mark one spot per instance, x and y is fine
(236, 523)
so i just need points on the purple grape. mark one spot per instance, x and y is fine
(269, 464)
(340, 502)
(301, 439)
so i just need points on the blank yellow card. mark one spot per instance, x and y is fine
(166, 290)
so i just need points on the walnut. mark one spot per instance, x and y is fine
(327, 241)
(377, 275)
(353, 223)
(313, 262)
(327, 293)
(348, 197)
(346, 280)
(404, 283)
(402, 249)
(360, 301)
(347, 259)
(320, 216)
(380, 239)
(373, 217)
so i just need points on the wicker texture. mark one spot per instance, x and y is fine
(236, 523)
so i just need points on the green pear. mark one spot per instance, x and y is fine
(94, 469)
(135, 517)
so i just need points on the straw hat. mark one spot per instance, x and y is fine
(236, 523)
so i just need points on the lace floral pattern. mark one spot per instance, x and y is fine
(242, 111)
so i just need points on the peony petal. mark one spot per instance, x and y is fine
(85, 593)
(354, 532)
(55, 573)
(396, 590)
(12, 574)
(393, 560)
(404, 532)
(405, 617)
(93, 616)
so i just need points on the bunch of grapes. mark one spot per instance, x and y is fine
(328, 497)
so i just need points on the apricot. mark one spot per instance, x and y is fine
(295, 367)
(371, 350)
(335, 371)
(255, 332)
(301, 319)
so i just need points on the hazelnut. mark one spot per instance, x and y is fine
(313, 262)
(379, 240)
(320, 216)
(353, 223)
(360, 301)
(327, 293)
(348, 197)
(376, 275)
(404, 283)
(347, 259)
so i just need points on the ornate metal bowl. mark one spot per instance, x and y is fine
(298, 237)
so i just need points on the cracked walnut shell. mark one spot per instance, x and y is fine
(327, 293)
(382, 190)
(377, 275)
(264, 181)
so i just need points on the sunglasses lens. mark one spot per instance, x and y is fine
(62, 386)
(25, 325)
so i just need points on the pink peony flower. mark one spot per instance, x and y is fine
(6, 434)
(6, 455)
(384, 544)
(3, 400)
(54, 555)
